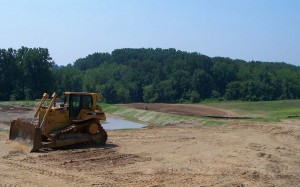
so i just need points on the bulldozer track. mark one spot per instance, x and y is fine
(101, 137)
(69, 129)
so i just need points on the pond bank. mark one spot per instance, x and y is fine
(114, 123)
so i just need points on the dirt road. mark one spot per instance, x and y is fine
(240, 154)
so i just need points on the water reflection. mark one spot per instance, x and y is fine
(117, 123)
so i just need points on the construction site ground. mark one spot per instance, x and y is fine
(242, 153)
(182, 109)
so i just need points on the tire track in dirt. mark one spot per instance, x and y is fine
(285, 155)
(72, 167)
(284, 130)
(45, 172)
(278, 152)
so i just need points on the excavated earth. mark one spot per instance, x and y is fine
(182, 109)
(187, 154)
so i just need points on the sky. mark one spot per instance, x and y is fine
(263, 30)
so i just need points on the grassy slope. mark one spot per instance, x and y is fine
(149, 117)
(157, 118)
(268, 110)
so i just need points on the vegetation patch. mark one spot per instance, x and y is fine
(213, 123)
(262, 110)
(19, 103)
(149, 117)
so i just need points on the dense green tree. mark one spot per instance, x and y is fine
(165, 92)
(202, 83)
(68, 79)
(36, 77)
(92, 61)
(25, 73)
(8, 74)
(149, 94)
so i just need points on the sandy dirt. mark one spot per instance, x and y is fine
(239, 154)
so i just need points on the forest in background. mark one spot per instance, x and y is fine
(25, 73)
(146, 75)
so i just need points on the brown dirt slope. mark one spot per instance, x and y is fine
(183, 109)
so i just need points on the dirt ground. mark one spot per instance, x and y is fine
(239, 154)
(183, 109)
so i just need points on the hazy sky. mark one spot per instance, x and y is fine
(266, 30)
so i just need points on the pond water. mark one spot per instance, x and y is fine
(117, 123)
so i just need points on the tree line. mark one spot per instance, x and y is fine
(25, 73)
(148, 75)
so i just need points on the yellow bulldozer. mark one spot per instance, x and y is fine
(56, 124)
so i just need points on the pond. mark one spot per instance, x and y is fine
(118, 123)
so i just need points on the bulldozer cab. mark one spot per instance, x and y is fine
(76, 102)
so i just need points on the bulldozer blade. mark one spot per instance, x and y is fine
(27, 134)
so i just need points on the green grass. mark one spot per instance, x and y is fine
(19, 103)
(264, 110)
(259, 105)
(213, 123)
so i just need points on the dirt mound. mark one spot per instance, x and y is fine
(183, 109)
(9, 113)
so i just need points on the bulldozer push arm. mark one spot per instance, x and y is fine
(48, 109)
(28, 133)
(45, 96)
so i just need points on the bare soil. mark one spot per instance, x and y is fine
(183, 109)
(239, 154)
